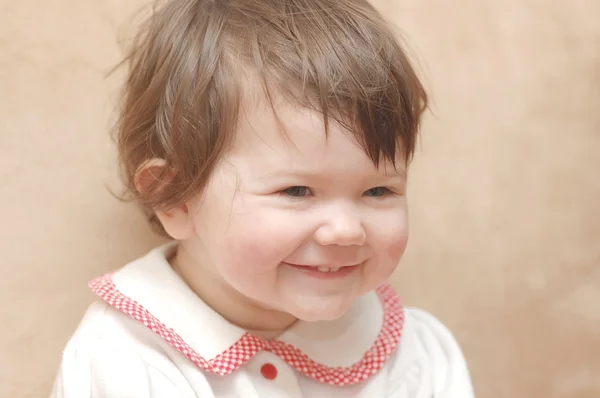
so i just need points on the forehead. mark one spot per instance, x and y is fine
(294, 138)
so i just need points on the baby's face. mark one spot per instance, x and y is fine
(299, 222)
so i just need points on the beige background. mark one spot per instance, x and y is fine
(505, 191)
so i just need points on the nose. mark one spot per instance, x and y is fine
(342, 228)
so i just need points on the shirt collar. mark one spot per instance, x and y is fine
(344, 351)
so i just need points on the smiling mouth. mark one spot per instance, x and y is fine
(323, 268)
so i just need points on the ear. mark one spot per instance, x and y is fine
(176, 221)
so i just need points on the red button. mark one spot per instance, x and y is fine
(268, 371)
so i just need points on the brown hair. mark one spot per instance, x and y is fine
(186, 83)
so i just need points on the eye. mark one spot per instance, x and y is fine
(296, 192)
(377, 192)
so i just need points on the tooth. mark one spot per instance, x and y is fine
(323, 269)
(335, 269)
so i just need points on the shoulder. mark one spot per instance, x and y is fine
(429, 358)
(110, 355)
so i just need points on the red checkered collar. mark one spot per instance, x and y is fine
(340, 352)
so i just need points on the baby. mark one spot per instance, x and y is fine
(269, 139)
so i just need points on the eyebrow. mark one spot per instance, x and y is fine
(393, 170)
(396, 173)
(287, 173)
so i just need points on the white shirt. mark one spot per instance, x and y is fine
(151, 336)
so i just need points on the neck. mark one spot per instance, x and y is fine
(236, 308)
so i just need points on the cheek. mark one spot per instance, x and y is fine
(395, 238)
(251, 251)
(250, 241)
(396, 247)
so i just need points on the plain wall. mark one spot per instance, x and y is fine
(504, 191)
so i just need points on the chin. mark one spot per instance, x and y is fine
(321, 313)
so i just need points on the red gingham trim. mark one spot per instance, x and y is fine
(248, 345)
(373, 360)
(225, 363)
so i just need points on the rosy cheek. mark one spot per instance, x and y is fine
(250, 249)
(396, 249)
(397, 246)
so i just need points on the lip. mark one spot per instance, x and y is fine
(311, 270)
